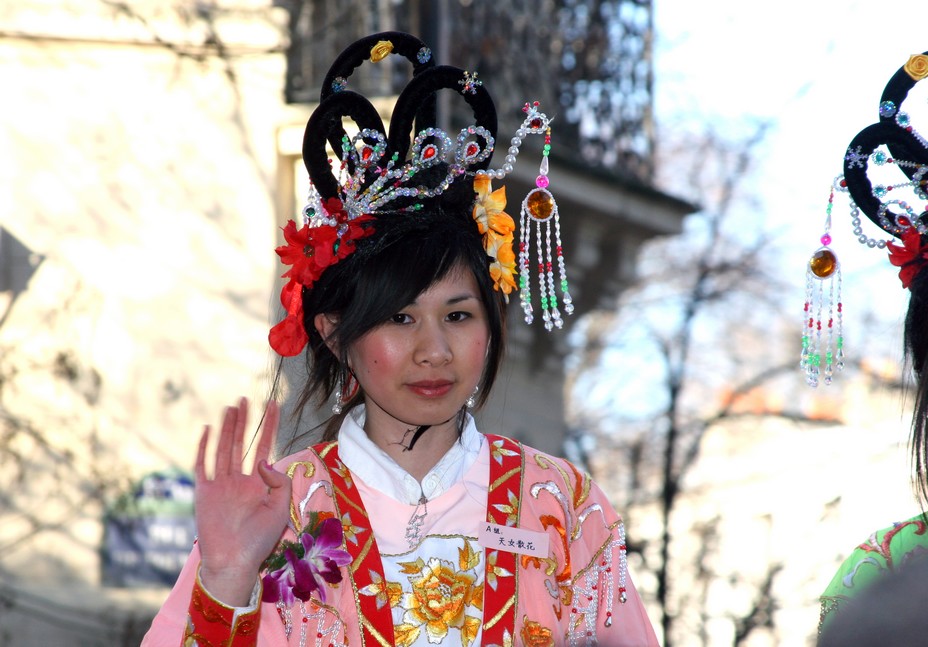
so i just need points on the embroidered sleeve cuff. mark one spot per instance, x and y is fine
(210, 623)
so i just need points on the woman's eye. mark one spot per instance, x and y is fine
(458, 316)
(400, 318)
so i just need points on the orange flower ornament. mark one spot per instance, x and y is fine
(497, 228)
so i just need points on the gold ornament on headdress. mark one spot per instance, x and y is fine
(917, 67)
(381, 50)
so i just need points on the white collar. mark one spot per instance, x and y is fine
(374, 467)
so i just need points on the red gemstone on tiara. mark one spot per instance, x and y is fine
(429, 152)
(366, 153)
(472, 149)
(535, 123)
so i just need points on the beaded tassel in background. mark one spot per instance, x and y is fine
(822, 338)
(540, 209)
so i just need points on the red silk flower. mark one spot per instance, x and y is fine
(910, 256)
(289, 336)
(309, 252)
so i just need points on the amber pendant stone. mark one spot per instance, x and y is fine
(540, 205)
(823, 263)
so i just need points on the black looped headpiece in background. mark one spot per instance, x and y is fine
(416, 106)
(902, 145)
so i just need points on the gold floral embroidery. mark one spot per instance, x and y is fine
(343, 472)
(497, 451)
(494, 571)
(469, 630)
(511, 510)
(468, 558)
(384, 592)
(439, 599)
(405, 634)
(351, 531)
(535, 635)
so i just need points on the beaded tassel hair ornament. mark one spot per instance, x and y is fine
(890, 148)
(382, 172)
(823, 341)
(540, 209)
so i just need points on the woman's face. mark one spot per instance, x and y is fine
(420, 366)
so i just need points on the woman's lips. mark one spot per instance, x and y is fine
(430, 388)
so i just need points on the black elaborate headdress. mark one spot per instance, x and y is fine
(894, 200)
(382, 174)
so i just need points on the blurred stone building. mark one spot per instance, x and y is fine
(148, 153)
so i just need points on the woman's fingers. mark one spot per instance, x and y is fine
(238, 437)
(201, 455)
(268, 433)
(224, 463)
(230, 446)
(271, 477)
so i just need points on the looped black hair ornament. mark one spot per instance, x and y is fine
(890, 143)
(402, 170)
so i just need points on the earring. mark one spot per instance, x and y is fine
(471, 401)
(345, 389)
(539, 208)
(823, 349)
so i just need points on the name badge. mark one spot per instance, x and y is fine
(513, 540)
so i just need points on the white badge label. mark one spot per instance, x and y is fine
(513, 540)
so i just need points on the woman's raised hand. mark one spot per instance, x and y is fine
(240, 517)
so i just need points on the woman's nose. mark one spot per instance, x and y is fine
(432, 345)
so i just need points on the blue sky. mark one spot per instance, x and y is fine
(815, 69)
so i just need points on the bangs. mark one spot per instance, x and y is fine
(412, 253)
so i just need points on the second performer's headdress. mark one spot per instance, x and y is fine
(885, 169)
(399, 170)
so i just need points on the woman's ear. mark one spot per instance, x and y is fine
(325, 326)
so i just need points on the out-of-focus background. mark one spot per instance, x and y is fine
(149, 153)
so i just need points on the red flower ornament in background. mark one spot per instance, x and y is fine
(910, 256)
(309, 252)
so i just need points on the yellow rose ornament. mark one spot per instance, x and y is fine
(381, 50)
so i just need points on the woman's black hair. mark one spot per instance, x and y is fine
(916, 354)
(418, 238)
(408, 253)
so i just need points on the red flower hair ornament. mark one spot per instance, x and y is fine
(910, 256)
(309, 252)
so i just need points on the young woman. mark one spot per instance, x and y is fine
(885, 165)
(406, 525)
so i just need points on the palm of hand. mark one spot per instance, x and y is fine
(240, 517)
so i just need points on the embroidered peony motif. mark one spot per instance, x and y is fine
(535, 635)
(440, 599)
(297, 569)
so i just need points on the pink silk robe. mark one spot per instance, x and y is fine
(447, 588)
